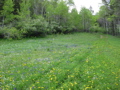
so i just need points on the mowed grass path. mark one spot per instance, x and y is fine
(80, 61)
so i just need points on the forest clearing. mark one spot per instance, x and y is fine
(59, 44)
(79, 61)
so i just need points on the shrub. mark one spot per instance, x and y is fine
(34, 27)
(55, 27)
(11, 33)
(97, 29)
(52, 28)
(1, 32)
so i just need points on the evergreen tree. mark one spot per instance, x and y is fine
(24, 12)
(7, 12)
(1, 8)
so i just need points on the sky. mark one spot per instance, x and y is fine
(87, 3)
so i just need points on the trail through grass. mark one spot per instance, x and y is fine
(78, 61)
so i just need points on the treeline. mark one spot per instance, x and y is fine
(26, 18)
(109, 16)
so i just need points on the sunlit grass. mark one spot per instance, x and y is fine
(79, 61)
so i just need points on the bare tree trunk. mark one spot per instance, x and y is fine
(114, 27)
(106, 27)
(113, 30)
(104, 23)
(84, 23)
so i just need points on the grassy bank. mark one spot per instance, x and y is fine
(78, 61)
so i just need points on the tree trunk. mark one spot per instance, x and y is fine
(106, 27)
(3, 22)
(112, 25)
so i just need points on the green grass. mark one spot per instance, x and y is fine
(80, 61)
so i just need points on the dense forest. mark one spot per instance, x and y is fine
(26, 18)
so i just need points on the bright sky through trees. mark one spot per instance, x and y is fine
(87, 3)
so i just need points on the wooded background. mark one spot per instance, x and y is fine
(26, 18)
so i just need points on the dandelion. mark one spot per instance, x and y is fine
(38, 82)
(87, 88)
(53, 68)
(87, 61)
(88, 76)
(30, 88)
(51, 78)
(18, 71)
(72, 76)
(71, 84)
(116, 84)
(108, 88)
(24, 64)
(75, 82)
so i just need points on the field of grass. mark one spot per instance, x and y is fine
(80, 61)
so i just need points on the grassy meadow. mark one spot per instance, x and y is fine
(80, 61)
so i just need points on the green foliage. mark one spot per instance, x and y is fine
(74, 19)
(57, 16)
(50, 12)
(24, 12)
(34, 26)
(109, 16)
(7, 11)
(97, 29)
(86, 19)
(118, 27)
(11, 33)
(55, 27)
(36, 17)
(1, 32)
(52, 27)
(62, 9)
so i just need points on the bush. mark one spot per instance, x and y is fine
(52, 28)
(55, 27)
(97, 29)
(11, 33)
(34, 27)
(1, 32)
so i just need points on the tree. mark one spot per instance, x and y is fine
(115, 14)
(91, 9)
(111, 14)
(74, 19)
(57, 13)
(1, 8)
(86, 19)
(61, 12)
(7, 12)
(24, 11)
